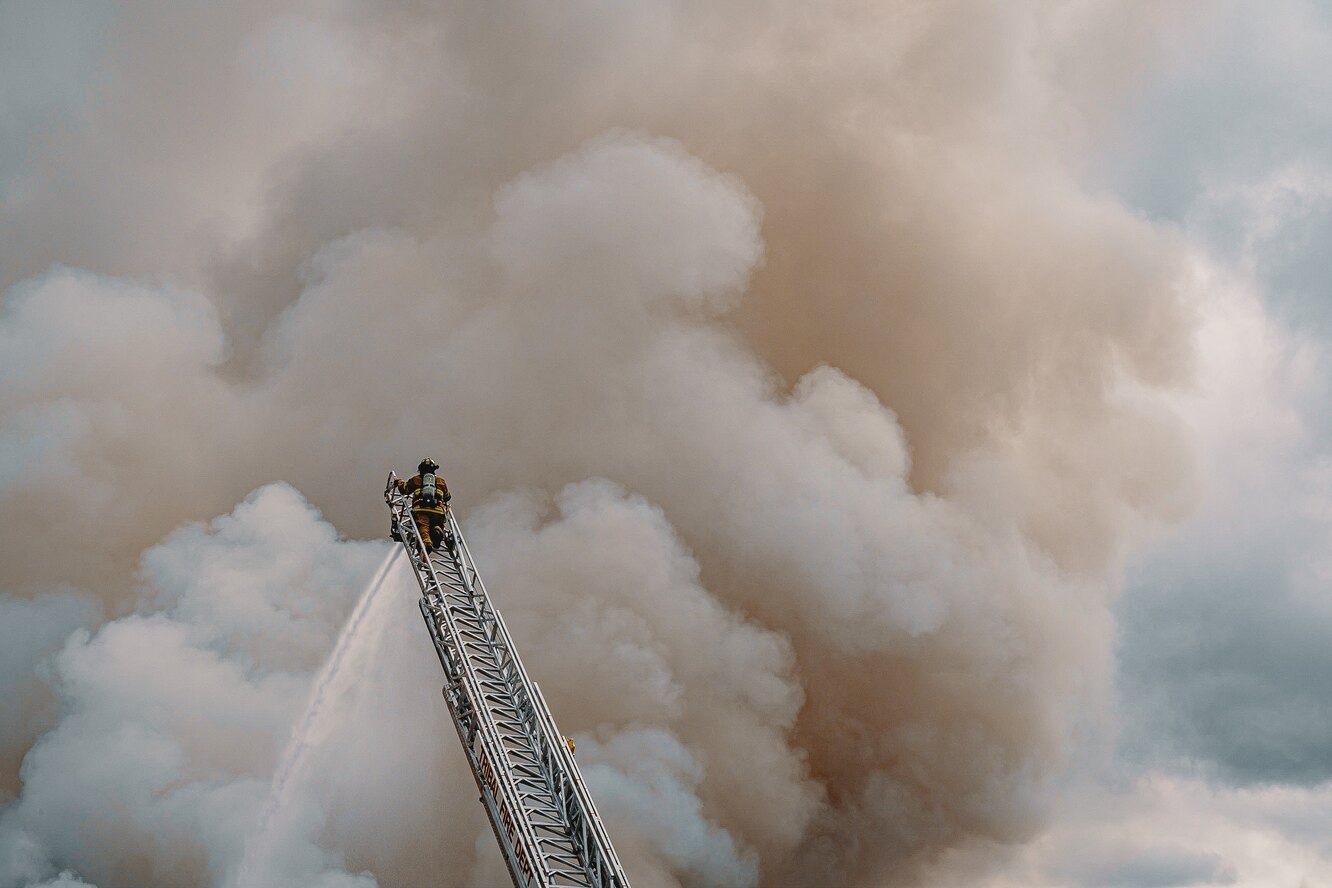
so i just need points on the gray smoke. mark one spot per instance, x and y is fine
(800, 403)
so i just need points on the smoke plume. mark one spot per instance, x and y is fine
(800, 402)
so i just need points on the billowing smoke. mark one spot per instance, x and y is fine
(800, 402)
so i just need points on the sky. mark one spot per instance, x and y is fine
(894, 433)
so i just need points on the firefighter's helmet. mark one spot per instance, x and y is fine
(427, 465)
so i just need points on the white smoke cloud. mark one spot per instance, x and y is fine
(64, 880)
(33, 631)
(649, 778)
(168, 717)
(1152, 830)
(800, 405)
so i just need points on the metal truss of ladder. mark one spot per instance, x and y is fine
(545, 822)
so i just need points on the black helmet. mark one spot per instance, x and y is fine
(427, 465)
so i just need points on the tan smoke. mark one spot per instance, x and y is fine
(799, 396)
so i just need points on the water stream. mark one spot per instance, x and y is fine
(355, 645)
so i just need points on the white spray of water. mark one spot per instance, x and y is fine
(357, 642)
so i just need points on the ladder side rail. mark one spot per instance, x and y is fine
(449, 656)
(561, 768)
(515, 679)
(517, 840)
(523, 855)
(493, 772)
(573, 776)
(493, 769)
(473, 736)
(501, 643)
(464, 725)
(560, 765)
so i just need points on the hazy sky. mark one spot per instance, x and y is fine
(895, 432)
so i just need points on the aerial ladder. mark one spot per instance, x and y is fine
(547, 827)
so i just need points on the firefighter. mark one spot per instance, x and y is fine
(429, 496)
